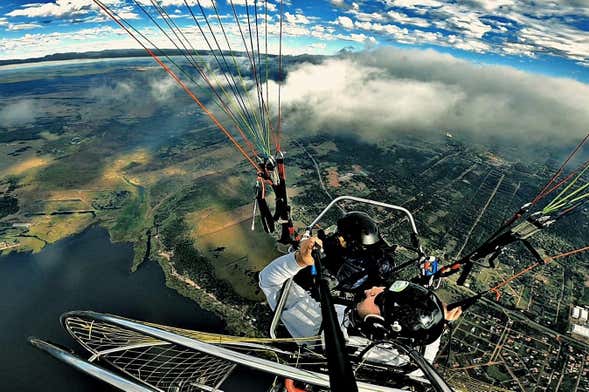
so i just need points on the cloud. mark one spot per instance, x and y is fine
(491, 5)
(523, 28)
(407, 20)
(23, 26)
(296, 18)
(469, 24)
(412, 3)
(378, 94)
(203, 3)
(345, 22)
(239, 2)
(163, 90)
(506, 27)
(19, 113)
(141, 94)
(78, 10)
(38, 44)
(564, 41)
(60, 9)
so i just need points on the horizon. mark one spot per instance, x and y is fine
(530, 36)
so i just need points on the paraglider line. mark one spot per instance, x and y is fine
(249, 55)
(279, 125)
(254, 67)
(237, 67)
(232, 83)
(181, 83)
(186, 54)
(547, 260)
(543, 192)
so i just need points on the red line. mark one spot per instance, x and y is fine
(583, 166)
(531, 267)
(543, 192)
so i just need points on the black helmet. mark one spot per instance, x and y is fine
(407, 311)
(358, 229)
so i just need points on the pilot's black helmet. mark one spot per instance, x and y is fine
(358, 229)
(407, 311)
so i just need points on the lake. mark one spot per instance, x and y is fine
(83, 272)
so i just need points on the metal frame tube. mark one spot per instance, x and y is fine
(365, 201)
(90, 369)
(288, 283)
(280, 307)
(282, 370)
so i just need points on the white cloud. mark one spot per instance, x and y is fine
(23, 26)
(345, 22)
(378, 94)
(38, 44)
(296, 18)
(523, 30)
(203, 3)
(404, 19)
(180, 3)
(81, 8)
(367, 17)
(519, 49)
(162, 90)
(527, 27)
(491, 5)
(239, 2)
(59, 9)
(412, 3)
(469, 24)
(564, 41)
(468, 44)
(19, 113)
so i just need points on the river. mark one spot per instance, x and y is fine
(82, 272)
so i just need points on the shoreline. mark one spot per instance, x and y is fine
(235, 316)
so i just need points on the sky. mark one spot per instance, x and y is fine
(541, 36)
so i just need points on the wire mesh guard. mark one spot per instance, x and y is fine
(162, 365)
(169, 367)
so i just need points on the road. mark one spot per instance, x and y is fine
(482, 212)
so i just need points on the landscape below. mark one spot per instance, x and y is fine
(99, 146)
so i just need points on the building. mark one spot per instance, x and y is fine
(580, 330)
(580, 314)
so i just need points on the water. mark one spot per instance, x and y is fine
(83, 272)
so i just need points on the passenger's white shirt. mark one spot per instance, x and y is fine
(302, 314)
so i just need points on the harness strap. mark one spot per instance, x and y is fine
(265, 213)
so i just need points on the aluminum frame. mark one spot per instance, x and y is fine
(286, 288)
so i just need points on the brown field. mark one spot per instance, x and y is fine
(212, 220)
(52, 229)
(333, 178)
(23, 166)
(245, 252)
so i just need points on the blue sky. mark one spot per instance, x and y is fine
(543, 36)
